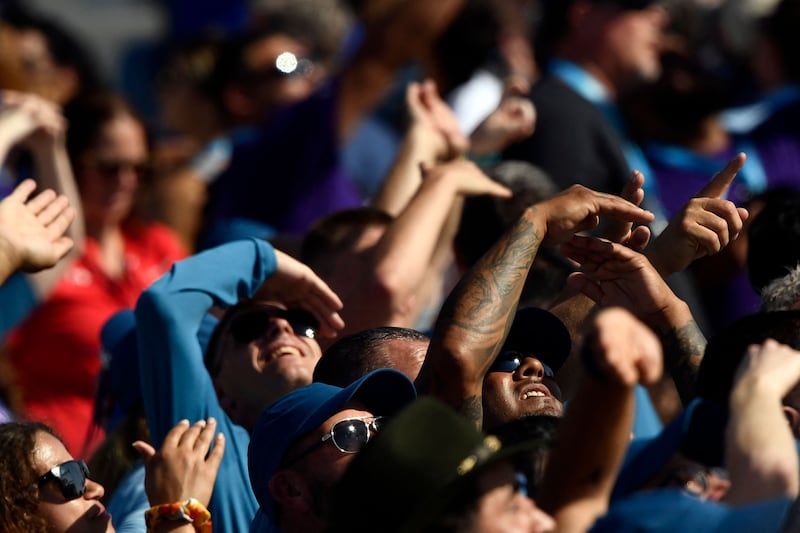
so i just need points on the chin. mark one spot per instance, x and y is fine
(542, 406)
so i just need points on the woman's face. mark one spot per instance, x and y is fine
(110, 174)
(82, 514)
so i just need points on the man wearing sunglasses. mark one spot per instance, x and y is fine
(258, 352)
(304, 442)
(521, 381)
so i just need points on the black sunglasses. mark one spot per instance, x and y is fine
(71, 477)
(253, 324)
(349, 435)
(510, 360)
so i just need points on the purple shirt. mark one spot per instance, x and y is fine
(289, 174)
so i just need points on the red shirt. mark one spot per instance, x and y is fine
(55, 352)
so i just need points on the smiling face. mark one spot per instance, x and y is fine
(79, 515)
(279, 359)
(527, 390)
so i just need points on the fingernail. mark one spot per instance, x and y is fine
(212, 420)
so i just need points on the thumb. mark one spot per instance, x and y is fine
(146, 451)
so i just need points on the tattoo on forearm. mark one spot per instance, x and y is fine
(472, 409)
(683, 352)
(483, 300)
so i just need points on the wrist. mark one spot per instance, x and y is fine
(168, 516)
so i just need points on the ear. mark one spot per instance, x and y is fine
(290, 491)
(793, 417)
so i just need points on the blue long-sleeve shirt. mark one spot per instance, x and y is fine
(175, 383)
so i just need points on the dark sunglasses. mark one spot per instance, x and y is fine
(511, 360)
(287, 65)
(349, 435)
(70, 476)
(111, 169)
(251, 325)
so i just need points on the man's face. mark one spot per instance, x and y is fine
(268, 351)
(518, 385)
(629, 42)
(281, 73)
(322, 463)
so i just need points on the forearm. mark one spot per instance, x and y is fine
(55, 172)
(476, 317)
(168, 315)
(579, 476)
(761, 454)
(684, 345)
(405, 253)
(404, 178)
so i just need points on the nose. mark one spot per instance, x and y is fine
(94, 490)
(277, 326)
(530, 367)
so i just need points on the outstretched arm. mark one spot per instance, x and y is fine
(760, 450)
(614, 275)
(33, 123)
(476, 316)
(620, 352)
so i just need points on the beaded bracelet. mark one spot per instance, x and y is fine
(191, 511)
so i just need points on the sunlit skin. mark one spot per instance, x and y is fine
(509, 396)
(503, 509)
(253, 375)
(313, 474)
(83, 514)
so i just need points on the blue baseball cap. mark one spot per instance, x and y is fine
(384, 392)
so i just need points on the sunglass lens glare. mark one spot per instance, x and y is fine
(350, 435)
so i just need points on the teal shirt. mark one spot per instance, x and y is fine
(175, 383)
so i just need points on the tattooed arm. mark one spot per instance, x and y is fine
(613, 274)
(477, 314)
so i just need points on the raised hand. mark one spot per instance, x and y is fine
(614, 275)
(704, 226)
(183, 468)
(294, 284)
(32, 230)
(513, 120)
(622, 231)
(623, 349)
(468, 179)
(578, 209)
(28, 118)
(432, 118)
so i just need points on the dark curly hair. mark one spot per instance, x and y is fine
(19, 495)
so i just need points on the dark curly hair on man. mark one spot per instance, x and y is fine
(19, 495)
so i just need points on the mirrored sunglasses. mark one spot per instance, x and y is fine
(70, 476)
(253, 324)
(349, 435)
(511, 360)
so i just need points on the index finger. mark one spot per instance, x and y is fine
(722, 179)
(614, 206)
